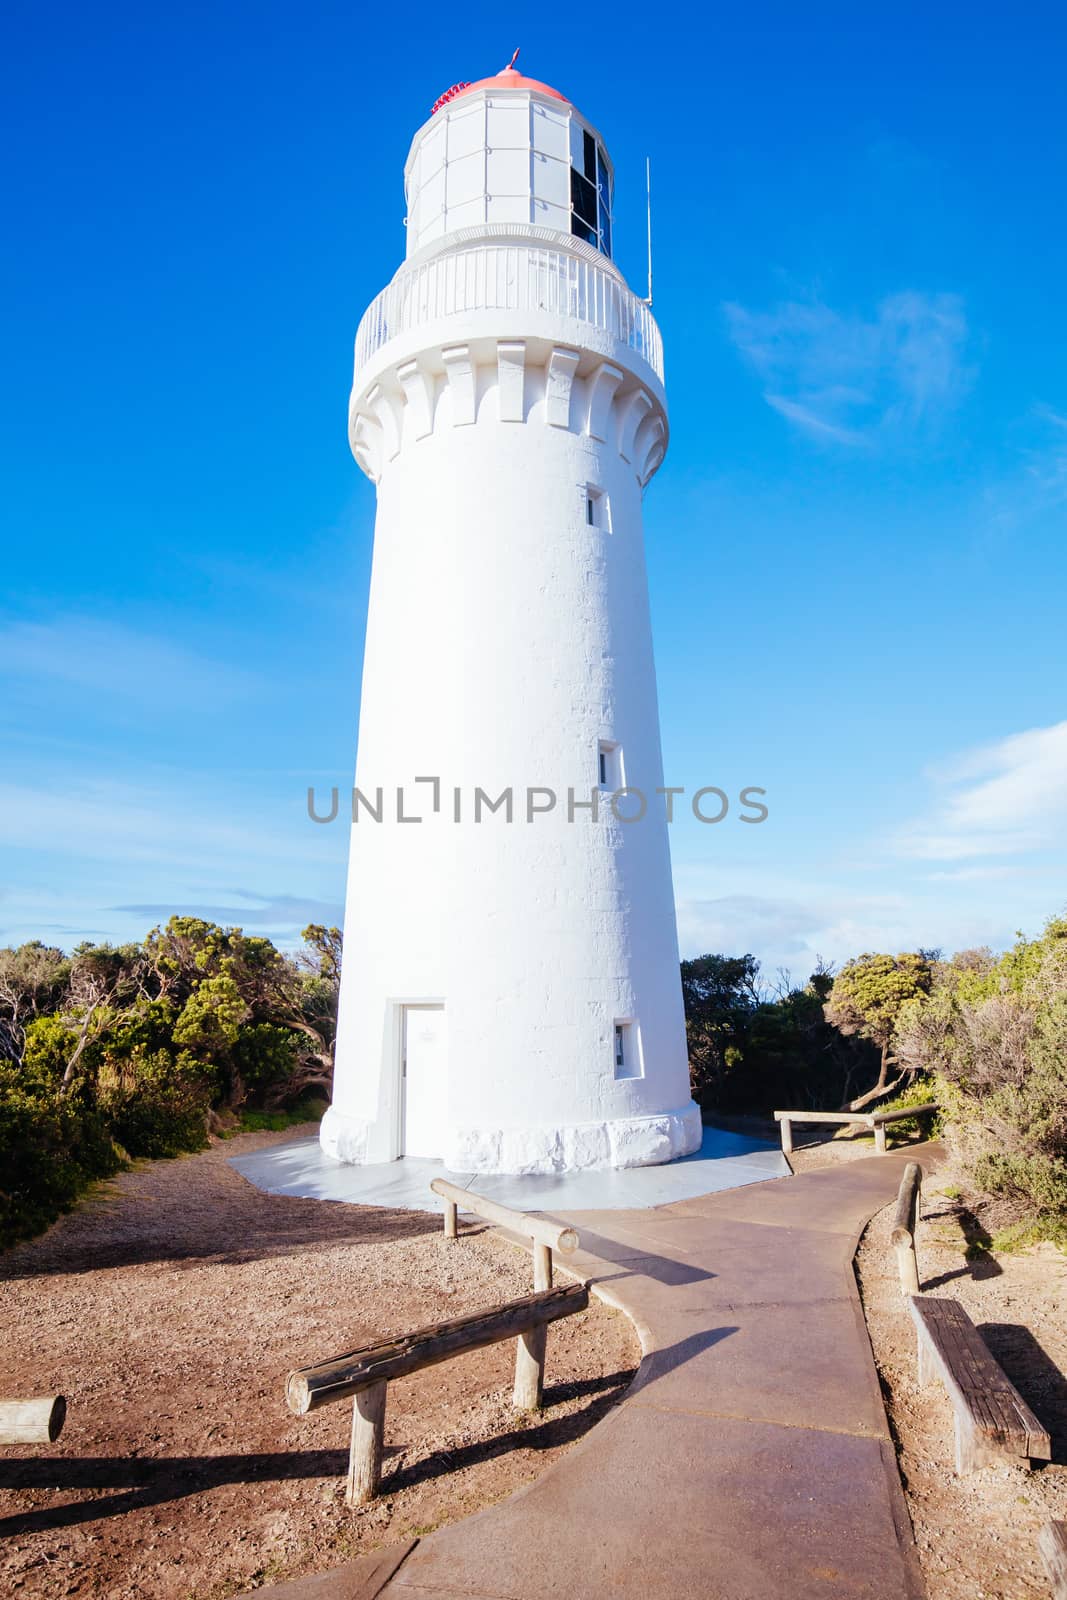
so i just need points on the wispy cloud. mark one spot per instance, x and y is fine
(103, 855)
(852, 379)
(98, 657)
(1004, 798)
(188, 825)
(256, 911)
(833, 923)
(1038, 484)
(1046, 464)
(794, 933)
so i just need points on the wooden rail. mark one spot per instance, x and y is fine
(363, 1375)
(903, 1234)
(544, 1236)
(32, 1421)
(875, 1121)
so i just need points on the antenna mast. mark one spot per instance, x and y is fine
(648, 193)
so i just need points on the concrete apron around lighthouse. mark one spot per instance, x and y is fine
(510, 995)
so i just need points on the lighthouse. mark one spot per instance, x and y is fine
(510, 990)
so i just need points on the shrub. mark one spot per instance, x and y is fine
(51, 1147)
(127, 1050)
(995, 1035)
(921, 1091)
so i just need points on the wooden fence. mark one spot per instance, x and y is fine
(363, 1375)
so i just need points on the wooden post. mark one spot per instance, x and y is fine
(530, 1369)
(542, 1264)
(908, 1267)
(903, 1233)
(451, 1218)
(879, 1138)
(787, 1137)
(32, 1421)
(368, 1431)
(530, 1347)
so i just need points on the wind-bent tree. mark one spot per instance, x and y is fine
(303, 991)
(32, 978)
(867, 998)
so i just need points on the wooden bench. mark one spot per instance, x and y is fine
(992, 1418)
(876, 1121)
(1052, 1544)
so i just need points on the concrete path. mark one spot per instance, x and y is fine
(724, 1161)
(751, 1458)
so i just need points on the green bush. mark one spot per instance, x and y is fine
(117, 1051)
(51, 1148)
(995, 1035)
(1040, 1182)
(921, 1091)
(157, 1108)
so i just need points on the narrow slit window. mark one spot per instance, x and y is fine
(627, 1050)
(597, 508)
(609, 765)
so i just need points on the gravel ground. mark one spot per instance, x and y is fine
(976, 1534)
(170, 1307)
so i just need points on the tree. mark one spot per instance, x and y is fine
(31, 981)
(720, 994)
(867, 998)
(105, 980)
(993, 1034)
(304, 996)
(756, 1045)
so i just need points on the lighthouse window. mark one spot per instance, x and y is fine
(591, 196)
(583, 208)
(605, 226)
(597, 508)
(627, 1051)
(609, 765)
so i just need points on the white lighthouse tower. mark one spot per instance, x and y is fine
(510, 995)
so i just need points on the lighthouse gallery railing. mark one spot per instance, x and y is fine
(509, 278)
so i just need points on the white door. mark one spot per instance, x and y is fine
(425, 1080)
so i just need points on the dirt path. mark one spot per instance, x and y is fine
(169, 1311)
(976, 1534)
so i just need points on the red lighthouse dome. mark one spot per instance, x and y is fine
(508, 78)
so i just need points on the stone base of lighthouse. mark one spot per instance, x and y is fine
(584, 1146)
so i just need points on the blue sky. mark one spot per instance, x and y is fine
(856, 545)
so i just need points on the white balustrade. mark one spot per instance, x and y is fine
(511, 277)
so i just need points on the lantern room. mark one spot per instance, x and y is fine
(507, 150)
